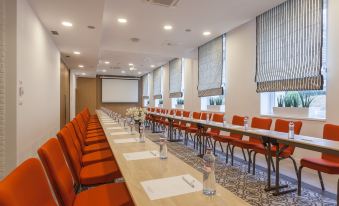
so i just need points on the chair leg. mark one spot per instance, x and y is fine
(299, 180)
(295, 165)
(249, 161)
(321, 181)
(232, 155)
(214, 145)
(227, 148)
(222, 149)
(272, 163)
(254, 157)
(243, 153)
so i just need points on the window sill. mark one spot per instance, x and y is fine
(318, 119)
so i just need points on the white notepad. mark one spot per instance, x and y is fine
(119, 133)
(141, 155)
(171, 186)
(127, 140)
(114, 128)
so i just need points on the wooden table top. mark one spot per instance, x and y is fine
(302, 141)
(135, 172)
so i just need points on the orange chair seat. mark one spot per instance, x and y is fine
(96, 157)
(192, 130)
(93, 140)
(89, 128)
(183, 126)
(321, 165)
(244, 144)
(99, 173)
(259, 148)
(96, 147)
(94, 134)
(94, 131)
(111, 195)
(212, 134)
(224, 138)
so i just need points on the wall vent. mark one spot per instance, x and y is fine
(167, 3)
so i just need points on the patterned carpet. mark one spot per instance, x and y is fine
(246, 186)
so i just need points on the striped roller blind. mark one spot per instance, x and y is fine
(210, 68)
(289, 47)
(175, 78)
(145, 94)
(157, 83)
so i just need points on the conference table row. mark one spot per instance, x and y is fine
(154, 181)
(268, 137)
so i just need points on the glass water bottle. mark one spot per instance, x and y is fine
(291, 130)
(209, 185)
(163, 148)
(246, 122)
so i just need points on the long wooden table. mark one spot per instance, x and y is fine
(268, 138)
(137, 171)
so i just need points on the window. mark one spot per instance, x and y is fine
(216, 103)
(301, 103)
(178, 103)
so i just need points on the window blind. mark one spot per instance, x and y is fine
(289, 47)
(210, 68)
(145, 94)
(157, 83)
(175, 78)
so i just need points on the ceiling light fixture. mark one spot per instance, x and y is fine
(139, 72)
(81, 66)
(168, 27)
(123, 72)
(122, 20)
(104, 70)
(152, 66)
(130, 64)
(83, 74)
(206, 33)
(76, 52)
(107, 62)
(67, 24)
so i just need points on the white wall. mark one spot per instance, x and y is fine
(38, 68)
(72, 94)
(241, 97)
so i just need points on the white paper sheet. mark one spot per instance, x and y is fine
(171, 186)
(120, 133)
(127, 140)
(141, 155)
(110, 123)
(114, 128)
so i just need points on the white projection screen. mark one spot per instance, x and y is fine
(120, 90)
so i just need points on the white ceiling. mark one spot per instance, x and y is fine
(110, 41)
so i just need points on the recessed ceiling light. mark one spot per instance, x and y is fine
(152, 66)
(206, 33)
(67, 24)
(139, 72)
(83, 74)
(130, 64)
(104, 70)
(123, 72)
(122, 20)
(107, 62)
(168, 27)
(76, 52)
(81, 66)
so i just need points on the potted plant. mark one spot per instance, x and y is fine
(293, 104)
(161, 102)
(180, 104)
(215, 103)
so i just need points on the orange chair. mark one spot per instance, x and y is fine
(87, 140)
(213, 132)
(182, 125)
(93, 174)
(327, 163)
(27, 185)
(86, 148)
(85, 131)
(64, 136)
(192, 129)
(258, 123)
(236, 120)
(280, 126)
(62, 182)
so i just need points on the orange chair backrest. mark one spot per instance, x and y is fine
(26, 185)
(72, 155)
(237, 120)
(152, 109)
(196, 115)
(57, 170)
(172, 112)
(157, 110)
(81, 124)
(331, 132)
(77, 130)
(74, 135)
(283, 126)
(260, 123)
(203, 116)
(178, 113)
(217, 118)
(186, 114)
